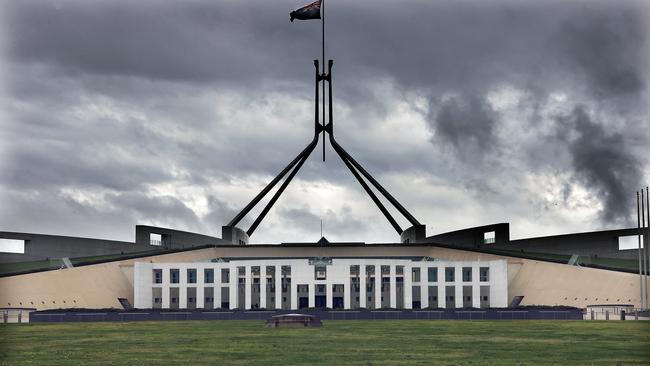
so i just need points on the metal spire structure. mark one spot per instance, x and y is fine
(232, 233)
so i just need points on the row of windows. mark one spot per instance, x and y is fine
(450, 274)
(174, 275)
(320, 273)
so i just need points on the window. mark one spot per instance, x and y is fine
(489, 237)
(156, 300)
(157, 276)
(225, 275)
(416, 275)
(12, 246)
(191, 275)
(208, 275)
(450, 274)
(155, 239)
(173, 300)
(484, 274)
(433, 274)
(320, 272)
(320, 288)
(174, 275)
(354, 271)
(629, 242)
(209, 299)
(190, 299)
(467, 274)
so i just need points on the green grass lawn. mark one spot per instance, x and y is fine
(338, 342)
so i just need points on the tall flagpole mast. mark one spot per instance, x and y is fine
(322, 10)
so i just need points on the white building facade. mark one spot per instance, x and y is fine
(335, 283)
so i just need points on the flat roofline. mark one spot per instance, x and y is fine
(18, 233)
(599, 232)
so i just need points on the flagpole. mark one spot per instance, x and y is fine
(322, 10)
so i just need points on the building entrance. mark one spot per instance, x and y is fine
(321, 301)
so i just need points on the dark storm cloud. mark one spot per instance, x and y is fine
(603, 162)
(467, 125)
(443, 44)
(190, 41)
(606, 48)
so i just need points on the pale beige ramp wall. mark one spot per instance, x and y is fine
(546, 283)
(94, 286)
(99, 286)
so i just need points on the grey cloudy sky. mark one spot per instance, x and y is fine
(176, 113)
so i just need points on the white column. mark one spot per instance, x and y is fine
(442, 284)
(248, 286)
(233, 285)
(347, 293)
(476, 285)
(408, 286)
(278, 286)
(165, 288)
(377, 286)
(217, 288)
(424, 286)
(200, 284)
(458, 285)
(182, 288)
(294, 290)
(165, 297)
(393, 286)
(312, 294)
(329, 299)
(263, 287)
(362, 286)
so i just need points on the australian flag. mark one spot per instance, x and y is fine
(311, 11)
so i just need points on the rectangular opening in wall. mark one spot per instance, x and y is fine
(489, 237)
(157, 276)
(484, 274)
(156, 298)
(320, 272)
(433, 297)
(155, 239)
(12, 246)
(485, 296)
(208, 298)
(191, 275)
(450, 297)
(174, 275)
(450, 274)
(208, 275)
(432, 274)
(225, 275)
(467, 274)
(467, 297)
(416, 275)
(629, 242)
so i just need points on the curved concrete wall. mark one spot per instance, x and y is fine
(99, 286)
